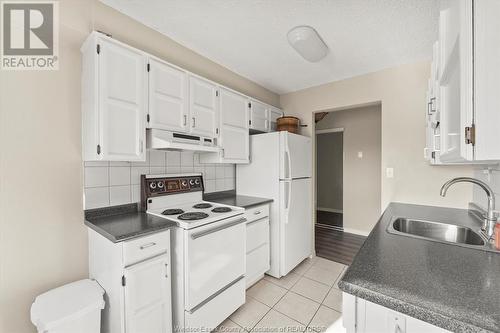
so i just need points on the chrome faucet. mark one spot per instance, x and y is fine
(491, 218)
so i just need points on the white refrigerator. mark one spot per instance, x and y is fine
(280, 169)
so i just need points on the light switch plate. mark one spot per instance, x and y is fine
(389, 172)
(360, 154)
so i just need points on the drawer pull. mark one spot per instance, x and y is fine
(257, 212)
(145, 246)
(219, 228)
(193, 310)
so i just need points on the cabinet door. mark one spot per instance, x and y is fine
(122, 102)
(486, 79)
(167, 97)
(259, 116)
(148, 306)
(234, 136)
(455, 81)
(202, 107)
(273, 116)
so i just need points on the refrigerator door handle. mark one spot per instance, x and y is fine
(288, 194)
(288, 163)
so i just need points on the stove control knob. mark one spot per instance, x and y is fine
(160, 184)
(191, 182)
(197, 182)
(152, 186)
(184, 183)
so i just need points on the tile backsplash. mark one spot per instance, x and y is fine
(490, 176)
(116, 183)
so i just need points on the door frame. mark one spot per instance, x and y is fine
(319, 132)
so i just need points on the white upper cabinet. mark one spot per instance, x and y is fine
(462, 110)
(233, 123)
(259, 116)
(168, 97)
(203, 107)
(113, 101)
(274, 114)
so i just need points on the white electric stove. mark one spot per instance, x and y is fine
(208, 249)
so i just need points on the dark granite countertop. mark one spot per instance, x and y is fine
(120, 223)
(453, 287)
(232, 199)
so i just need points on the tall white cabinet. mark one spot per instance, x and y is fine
(462, 106)
(114, 101)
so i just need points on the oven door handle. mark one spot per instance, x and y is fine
(218, 228)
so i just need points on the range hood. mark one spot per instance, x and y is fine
(167, 140)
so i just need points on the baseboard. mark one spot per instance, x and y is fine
(356, 231)
(331, 210)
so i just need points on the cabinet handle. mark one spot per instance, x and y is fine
(166, 271)
(185, 120)
(145, 246)
(194, 122)
(257, 212)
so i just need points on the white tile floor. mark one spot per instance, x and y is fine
(307, 299)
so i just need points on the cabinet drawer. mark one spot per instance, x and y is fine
(146, 247)
(257, 233)
(215, 310)
(256, 213)
(257, 264)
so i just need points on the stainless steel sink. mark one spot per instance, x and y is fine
(437, 231)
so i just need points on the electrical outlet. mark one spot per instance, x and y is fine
(360, 154)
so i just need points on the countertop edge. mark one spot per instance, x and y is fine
(411, 310)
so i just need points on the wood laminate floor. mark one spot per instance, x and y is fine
(336, 245)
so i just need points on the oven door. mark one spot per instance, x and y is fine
(214, 259)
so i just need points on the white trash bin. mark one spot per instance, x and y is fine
(72, 308)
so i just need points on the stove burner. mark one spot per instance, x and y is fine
(202, 205)
(173, 211)
(192, 216)
(221, 209)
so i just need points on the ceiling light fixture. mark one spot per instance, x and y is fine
(308, 43)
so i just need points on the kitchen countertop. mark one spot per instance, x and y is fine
(232, 199)
(449, 286)
(120, 223)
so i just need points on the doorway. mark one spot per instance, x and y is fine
(348, 179)
(329, 169)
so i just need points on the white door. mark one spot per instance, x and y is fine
(295, 222)
(295, 156)
(148, 306)
(122, 102)
(214, 258)
(259, 116)
(455, 79)
(167, 97)
(202, 107)
(234, 136)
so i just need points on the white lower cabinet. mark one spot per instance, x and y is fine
(136, 277)
(362, 316)
(258, 250)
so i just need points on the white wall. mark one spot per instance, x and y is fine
(362, 176)
(401, 93)
(43, 241)
(490, 176)
(118, 183)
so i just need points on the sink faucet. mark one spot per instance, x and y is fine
(491, 219)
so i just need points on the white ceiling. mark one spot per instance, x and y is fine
(249, 36)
